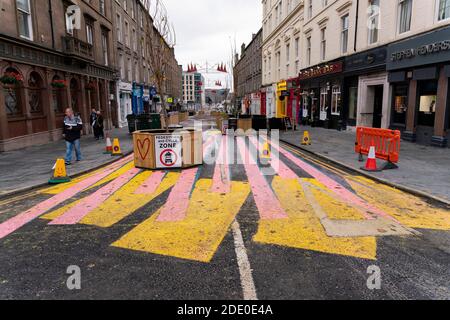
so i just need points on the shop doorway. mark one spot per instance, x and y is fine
(378, 106)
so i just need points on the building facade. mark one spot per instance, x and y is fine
(381, 64)
(135, 88)
(193, 90)
(247, 75)
(51, 58)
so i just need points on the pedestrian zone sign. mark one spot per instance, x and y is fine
(168, 151)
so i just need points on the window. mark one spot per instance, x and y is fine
(344, 33)
(323, 103)
(323, 44)
(122, 67)
(405, 13)
(102, 7)
(288, 58)
(105, 47)
(89, 33)
(119, 28)
(129, 72)
(127, 34)
(308, 50)
(444, 9)
(400, 103)
(24, 19)
(336, 101)
(278, 57)
(324, 3)
(310, 9)
(374, 20)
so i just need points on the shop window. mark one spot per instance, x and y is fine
(323, 104)
(427, 103)
(400, 103)
(352, 103)
(58, 98)
(34, 93)
(11, 91)
(336, 101)
(305, 104)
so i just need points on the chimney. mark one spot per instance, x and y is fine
(242, 49)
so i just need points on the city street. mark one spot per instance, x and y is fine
(225, 230)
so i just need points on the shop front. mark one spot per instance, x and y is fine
(366, 89)
(321, 95)
(293, 102)
(282, 95)
(419, 69)
(255, 105)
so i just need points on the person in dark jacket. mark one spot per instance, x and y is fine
(72, 134)
(98, 127)
(93, 118)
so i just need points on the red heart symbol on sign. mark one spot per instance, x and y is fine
(143, 148)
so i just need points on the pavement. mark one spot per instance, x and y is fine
(31, 167)
(422, 169)
(224, 230)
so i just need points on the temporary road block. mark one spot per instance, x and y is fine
(109, 147)
(116, 148)
(60, 173)
(385, 142)
(306, 139)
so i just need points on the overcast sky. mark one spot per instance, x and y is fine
(204, 29)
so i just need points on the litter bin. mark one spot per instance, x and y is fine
(148, 122)
(131, 118)
(259, 122)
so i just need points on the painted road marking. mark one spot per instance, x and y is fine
(221, 179)
(303, 229)
(23, 218)
(267, 203)
(90, 203)
(175, 208)
(151, 184)
(334, 186)
(123, 203)
(115, 165)
(408, 209)
(245, 270)
(196, 237)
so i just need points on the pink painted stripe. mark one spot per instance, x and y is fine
(334, 186)
(268, 205)
(11, 225)
(177, 204)
(152, 183)
(90, 203)
(278, 166)
(221, 178)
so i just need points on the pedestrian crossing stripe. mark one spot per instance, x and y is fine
(198, 236)
(303, 230)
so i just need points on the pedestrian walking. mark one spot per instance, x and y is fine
(99, 126)
(93, 118)
(72, 135)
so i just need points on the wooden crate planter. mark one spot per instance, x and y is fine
(244, 124)
(152, 148)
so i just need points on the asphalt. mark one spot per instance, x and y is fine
(34, 259)
(422, 169)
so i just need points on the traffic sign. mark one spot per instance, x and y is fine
(168, 151)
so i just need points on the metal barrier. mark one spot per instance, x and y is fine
(386, 143)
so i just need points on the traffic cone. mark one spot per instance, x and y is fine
(265, 153)
(60, 173)
(109, 147)
(116, 151)
(371, 164)
(306, 139)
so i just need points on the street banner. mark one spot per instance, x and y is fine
(168, 151)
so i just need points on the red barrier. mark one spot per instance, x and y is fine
(386, 142)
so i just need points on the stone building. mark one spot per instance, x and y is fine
(374, 63)
(247, 76)
(60, 57)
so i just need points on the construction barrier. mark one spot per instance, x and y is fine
(386, 143)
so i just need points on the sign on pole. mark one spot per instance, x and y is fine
(168, 151)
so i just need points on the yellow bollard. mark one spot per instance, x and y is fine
(306, 139)
(265, 153)
(116, 148)
(60, 173)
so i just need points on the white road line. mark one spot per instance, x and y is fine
(247, 283)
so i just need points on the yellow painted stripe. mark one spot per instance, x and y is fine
(303, 230)
(199, 235)
(125, 202)
(409, 210)
(334, 208)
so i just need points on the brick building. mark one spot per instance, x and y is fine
(40, 44)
